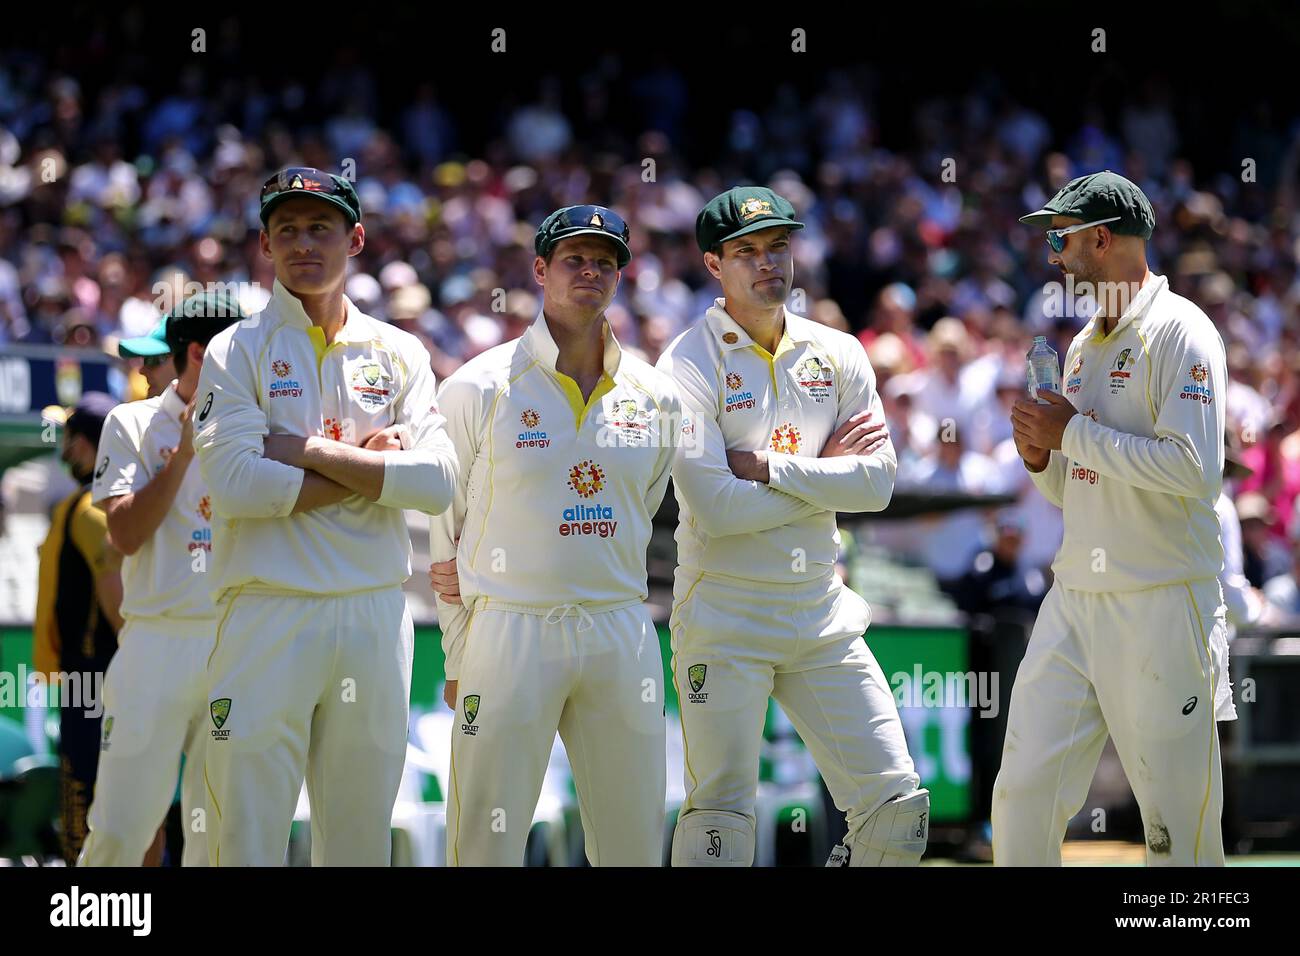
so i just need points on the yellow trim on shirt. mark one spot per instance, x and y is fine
(785, 345)
(573, 395)
(318, 343)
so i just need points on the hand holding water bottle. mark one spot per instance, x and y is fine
(1038, 423)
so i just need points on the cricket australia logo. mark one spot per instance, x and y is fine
(586, 478)
(696, 674)
(814, 377)
(785, 439)
(736, 398)
(220, 710)
(753, 208)
(370, 386)
(471, 712)
(108, 729)
(1122, 372)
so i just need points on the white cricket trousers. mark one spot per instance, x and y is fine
(735, 644)
(1136, 664)
(595, 675)
(155, 709)
(314, 685)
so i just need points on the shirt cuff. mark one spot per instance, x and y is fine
(1072, 436)
(778, 467)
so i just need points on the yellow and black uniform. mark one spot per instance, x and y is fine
(74, 636)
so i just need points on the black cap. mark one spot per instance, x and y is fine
(87, 417)
(199, 318)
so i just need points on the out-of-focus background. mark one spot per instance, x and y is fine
(131, 160)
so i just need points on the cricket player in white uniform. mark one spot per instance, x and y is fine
(317, 425)
(788, 430)
(1130, 637)
(566, 444)
(155, 691)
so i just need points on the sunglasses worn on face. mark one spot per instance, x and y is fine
(153, 361)
(1056, 237)
(592, 217)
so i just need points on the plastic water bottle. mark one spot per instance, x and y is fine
(1044, 368)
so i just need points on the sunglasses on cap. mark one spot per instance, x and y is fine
(304, 177)
(592, 217)
(1056, 237)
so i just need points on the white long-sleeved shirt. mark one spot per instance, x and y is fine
(738, 396)
(1139, 471)
(274, 374)
(556, 494)
(165, 578)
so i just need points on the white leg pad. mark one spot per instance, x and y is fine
(895, 835)
(713, 838)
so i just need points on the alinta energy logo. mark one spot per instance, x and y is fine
(283, 386)
(201, 538)
(785, 439)
(1198, 391)
(531, 437)
(736, 399)
(580, 520)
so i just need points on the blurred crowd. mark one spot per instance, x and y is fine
(112, 198)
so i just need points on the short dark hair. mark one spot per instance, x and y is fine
(181, 357)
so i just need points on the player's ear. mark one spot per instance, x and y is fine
(539, 270)
(713, 262)
(264, 244)
(358, 241)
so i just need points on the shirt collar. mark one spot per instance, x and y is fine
(171, 402)
(541, 344)
(1137, 308)
(291, 311)
(731, 335)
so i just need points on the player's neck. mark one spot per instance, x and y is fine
(580, 341)
(186, 386)
(325, 310)
(1123, 286)
(764, 326)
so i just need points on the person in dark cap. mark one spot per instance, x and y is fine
(160, 516)
(78, 602)
(1131, 638)
(788, 430)
(316, 427)
(578, 436)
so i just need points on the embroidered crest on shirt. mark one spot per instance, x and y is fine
(814, 377)
(370, 384)
(1122, 371)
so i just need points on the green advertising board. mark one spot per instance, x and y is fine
(912, 659)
